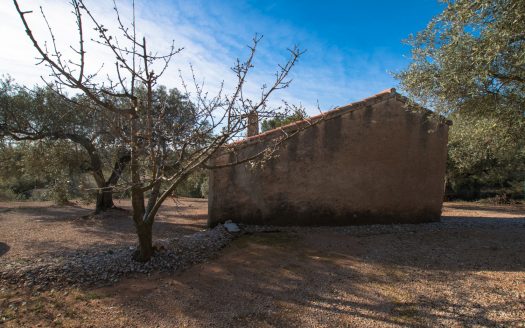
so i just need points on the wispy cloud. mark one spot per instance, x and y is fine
(213, 36)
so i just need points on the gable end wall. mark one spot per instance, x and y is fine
(379, 164)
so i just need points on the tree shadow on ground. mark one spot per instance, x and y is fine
(411, 279)
(72, 228)
(50, 211)
(440, 274)
(112, 230)
(4, 248)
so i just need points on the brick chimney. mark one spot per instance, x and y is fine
(253, 124)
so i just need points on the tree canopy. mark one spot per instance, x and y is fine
(296, 114)
(54, 123)
(469, 64)
(486, 156)
(471, 56)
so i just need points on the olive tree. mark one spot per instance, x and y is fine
(485, 154)
(41, 114)
(471, 56)
(296, 113)
(469, 62)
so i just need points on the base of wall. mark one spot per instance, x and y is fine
(321, 218)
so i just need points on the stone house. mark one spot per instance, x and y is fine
(378, 160)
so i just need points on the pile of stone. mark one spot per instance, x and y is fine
(446, 224)
(100, 267)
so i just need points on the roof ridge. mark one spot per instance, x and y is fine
(387, 93)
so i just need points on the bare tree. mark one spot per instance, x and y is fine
(163, 150)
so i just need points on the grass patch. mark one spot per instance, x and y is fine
(7, 315)
(273, 239)
(88, 296)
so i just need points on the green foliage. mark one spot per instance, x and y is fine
(196, 185)
(51, 143)
(41, 170)
(7, 195)
(472, 53)
(282, 119)
(60, 164)
(486, 154)
(469, 64)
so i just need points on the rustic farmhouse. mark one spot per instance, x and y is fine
(379, 160)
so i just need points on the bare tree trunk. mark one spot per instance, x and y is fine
(145, 250)
(151, 129)
(143, 227)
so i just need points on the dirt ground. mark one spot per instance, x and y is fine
(32, 229)
(468, 270)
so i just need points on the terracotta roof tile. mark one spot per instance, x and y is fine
(378, 97)
(329, 114)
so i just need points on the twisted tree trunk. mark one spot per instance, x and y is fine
(105, 192)
(104, 200)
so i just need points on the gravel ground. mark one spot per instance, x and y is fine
(32, 230)
(84, 254)
(466, 271)
(96, 268)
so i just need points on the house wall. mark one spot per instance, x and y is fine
(379, 164)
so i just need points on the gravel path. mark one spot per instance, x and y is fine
(466, 271)
(43, 246)
(96, 267)
(32, 230)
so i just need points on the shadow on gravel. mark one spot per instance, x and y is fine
(117, 225)
(444, 274)
(4, 248)
(51, 211)
(109, 235)
(335, 279)
(487, 221)
(469, 249)
(54, 231)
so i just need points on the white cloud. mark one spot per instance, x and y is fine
(212, 38)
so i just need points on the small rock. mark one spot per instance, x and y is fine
(231, 226)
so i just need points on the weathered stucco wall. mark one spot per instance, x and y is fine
(377, 164)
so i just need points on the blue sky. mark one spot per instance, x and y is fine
(351, 46)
